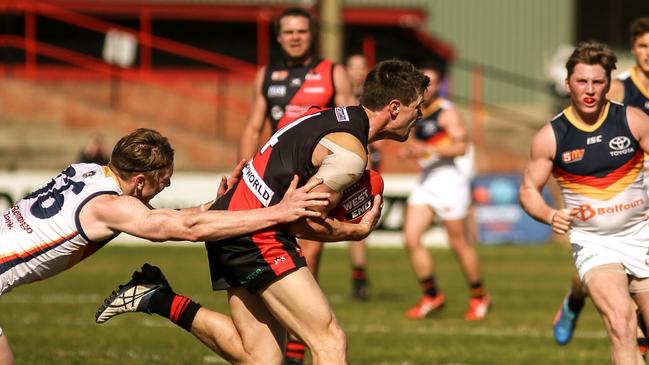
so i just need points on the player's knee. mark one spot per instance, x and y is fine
(333, 343)
(622, 325)
(264, 355)
(6, 356)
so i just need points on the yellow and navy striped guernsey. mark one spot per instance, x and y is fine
(428, 130)
(599, 170)
(635, 94)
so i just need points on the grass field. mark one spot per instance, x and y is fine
(52, 322)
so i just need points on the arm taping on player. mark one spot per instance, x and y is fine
(341, 167)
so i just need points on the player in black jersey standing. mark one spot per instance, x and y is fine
(269, 287)
(291, 84)
(595, 150)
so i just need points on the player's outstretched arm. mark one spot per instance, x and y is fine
(106, 216)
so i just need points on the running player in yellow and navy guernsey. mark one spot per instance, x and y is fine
(595, 151)
(438, 139)
(630, 88)
(86, 205)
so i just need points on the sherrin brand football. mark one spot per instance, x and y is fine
(357, 199)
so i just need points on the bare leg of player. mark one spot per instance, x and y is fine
(296, 348)
(299, 303)
(264, 341)
(6, 357)
(463, 249)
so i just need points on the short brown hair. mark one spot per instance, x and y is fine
(592, 53)
(393, 79)
(639, 27)
(141, 151)
(294, 12)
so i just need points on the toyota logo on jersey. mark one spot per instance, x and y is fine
(620, 146)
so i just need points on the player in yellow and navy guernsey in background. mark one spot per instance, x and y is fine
(630, 88)
(438, 139)
(595, 150)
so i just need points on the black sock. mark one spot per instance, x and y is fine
(429, 286)
(177, 308)
(477, 289)
(575, 303)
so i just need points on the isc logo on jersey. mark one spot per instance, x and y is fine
(276, 91)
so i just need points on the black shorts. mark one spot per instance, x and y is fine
(252, 261)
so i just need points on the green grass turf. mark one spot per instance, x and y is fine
(52, 322)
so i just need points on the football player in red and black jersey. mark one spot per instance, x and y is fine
(284, 90)
(291, 84)
(269, 287)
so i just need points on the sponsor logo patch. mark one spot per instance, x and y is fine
(279, 75)
(294, 111)
(256, 185)
(313, 76)
(573, 156)
(277, 112)
(586, 211)
(594, 139)
(620, 146)
(314, 90)
(296, 82)
(276, 91)
(341, 114)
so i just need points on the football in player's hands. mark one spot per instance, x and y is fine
(358, 198)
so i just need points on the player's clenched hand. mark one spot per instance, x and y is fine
(297, 203)
(561, 219)
(360, 230)
(371, 218)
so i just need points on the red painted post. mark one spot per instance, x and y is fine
(30, 44)
(263, 37)
(369, 50)
(478, 114)
(145, 41)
